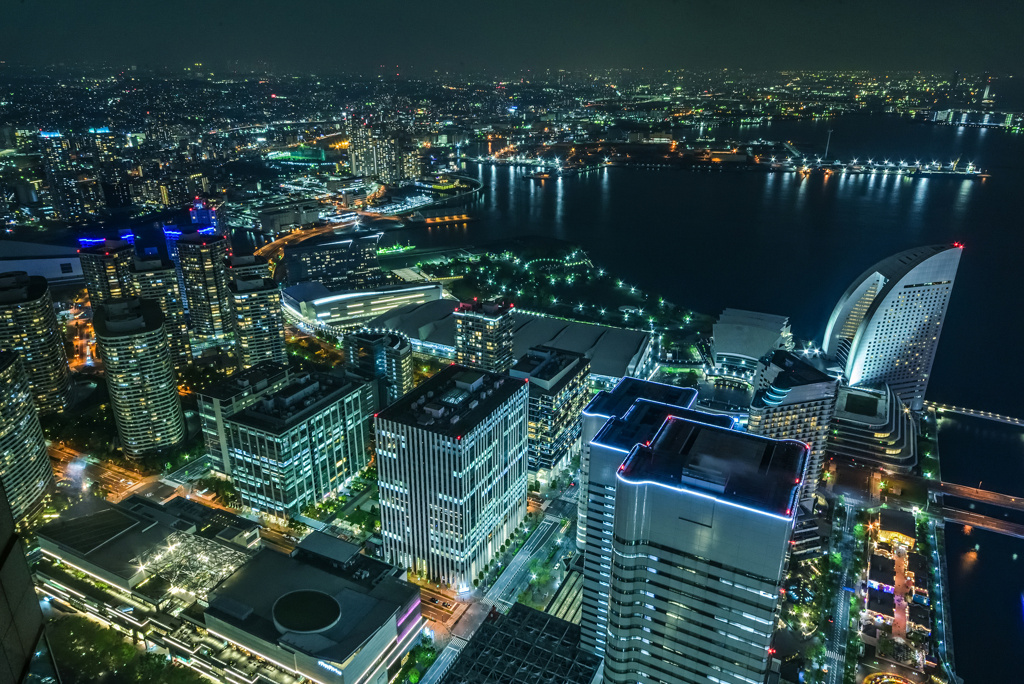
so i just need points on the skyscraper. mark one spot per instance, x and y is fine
(615, 422)
(106, 266)
(615, 403)
(347, 263)
(171, 236)
(885, 328)
(157, 279)
(559, 389)
(25, 472)
(451, 462)
(794, 400)
(373, 153)
(201, 259)
(28, 326)
(702, 526)
(21, 621)
(483, 335)
(62, 177)
(140, 376)
(295, 446)
(259, 321)
(382, 358)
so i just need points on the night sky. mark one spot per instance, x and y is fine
(415, 37)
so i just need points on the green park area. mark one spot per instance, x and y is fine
(559, 280)
(89, 652)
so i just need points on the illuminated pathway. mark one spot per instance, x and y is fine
(974, 413)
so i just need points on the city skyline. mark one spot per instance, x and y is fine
(535, 361)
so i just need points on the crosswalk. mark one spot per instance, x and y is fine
(501, 606)
(444, 661)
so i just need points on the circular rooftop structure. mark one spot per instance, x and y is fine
(306, 612)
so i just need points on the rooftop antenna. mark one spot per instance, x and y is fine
(827, 142)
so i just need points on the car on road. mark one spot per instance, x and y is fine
(447, 605)
(434, 600)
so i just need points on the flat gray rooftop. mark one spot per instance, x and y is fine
(467, 394)
(729, 465)
(246, 600)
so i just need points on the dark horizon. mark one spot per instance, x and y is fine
(412, 38)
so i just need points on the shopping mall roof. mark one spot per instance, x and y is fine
(613, 352)
(262, 598)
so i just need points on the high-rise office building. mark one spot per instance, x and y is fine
(483, 335)
(703, 521)
(62, 177)
(259, 321)
(381, 358)
(21, 620)
(225, 399)
(106, 266)
(348, 263)
(25, 471)
(157, 279)
(885, 328)
(248, 266)
(28, 326)
(615, 403)
(794, 400)
(451, 463)
(295, 446)
(201, 259)
(140, 375)
(374, 153)
(614, 422)
(559, 389)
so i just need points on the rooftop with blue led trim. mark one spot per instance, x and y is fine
(644, 419)
(744, 469)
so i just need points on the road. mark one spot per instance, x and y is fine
(505, 589)
(79, 469)
(437, 611)
(835, 648)
(444, 661)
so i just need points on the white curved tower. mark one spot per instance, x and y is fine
(886, 326)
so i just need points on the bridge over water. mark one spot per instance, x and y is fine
(974, 413)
